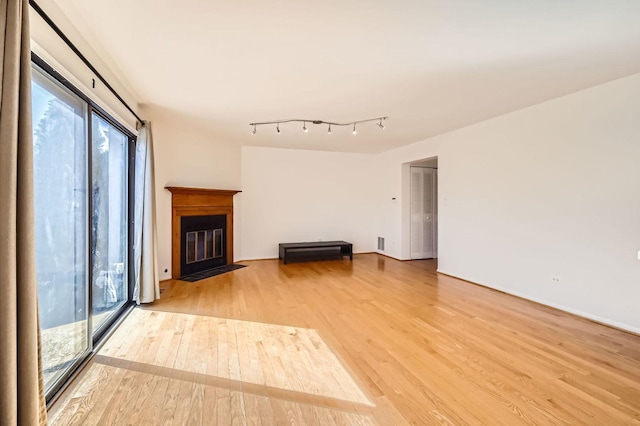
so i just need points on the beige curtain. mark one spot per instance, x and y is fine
(147, 286)
(21, 385)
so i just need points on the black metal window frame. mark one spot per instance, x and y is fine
(104, 330)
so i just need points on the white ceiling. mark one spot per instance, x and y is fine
(431, 66)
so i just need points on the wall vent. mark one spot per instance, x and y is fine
(381, 243)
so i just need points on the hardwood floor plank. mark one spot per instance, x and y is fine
(372, 341)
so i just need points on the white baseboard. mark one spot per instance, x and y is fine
(389, 255)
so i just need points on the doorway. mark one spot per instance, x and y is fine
(424, 209)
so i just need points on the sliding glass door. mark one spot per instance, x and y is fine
(109, 149)
(61, 218)
(81, 167)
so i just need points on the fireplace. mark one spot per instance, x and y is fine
(202, 243)
(202, 229)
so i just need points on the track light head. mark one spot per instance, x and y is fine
(253, 132)
(329, 131)
(355, 132)
(304, 127)
(381, 125)
(278, 128)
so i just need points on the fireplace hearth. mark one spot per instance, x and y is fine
(202, 229)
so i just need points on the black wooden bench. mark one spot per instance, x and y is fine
(318, 250)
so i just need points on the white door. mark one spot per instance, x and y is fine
(424, 213)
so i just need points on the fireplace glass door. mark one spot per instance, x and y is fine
(203, 243)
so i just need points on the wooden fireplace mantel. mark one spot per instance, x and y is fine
(198, 202)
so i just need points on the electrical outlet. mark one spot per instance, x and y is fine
(555, 279)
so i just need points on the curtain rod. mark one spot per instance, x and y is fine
(79, 54)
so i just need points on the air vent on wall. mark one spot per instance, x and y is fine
(381, 243)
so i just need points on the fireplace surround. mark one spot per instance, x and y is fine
(193, 203)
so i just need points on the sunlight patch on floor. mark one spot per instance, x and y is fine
(274, 357)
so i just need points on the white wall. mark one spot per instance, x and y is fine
(186, 154)
(550, 190)
(296, 195)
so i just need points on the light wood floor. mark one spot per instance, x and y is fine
(373, 341)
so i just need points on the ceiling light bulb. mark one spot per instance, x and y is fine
(355, 132)
(304, 127)
(278, 128)
(329, 131)
(253, 132)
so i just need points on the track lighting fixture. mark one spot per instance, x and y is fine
(329, 123)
